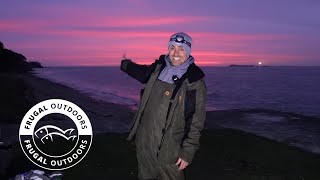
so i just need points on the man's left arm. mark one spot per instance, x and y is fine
(191, 143)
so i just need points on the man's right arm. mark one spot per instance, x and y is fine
(137, 71)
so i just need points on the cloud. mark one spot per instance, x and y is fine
(65, 32)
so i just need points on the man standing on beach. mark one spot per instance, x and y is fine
(171, 114)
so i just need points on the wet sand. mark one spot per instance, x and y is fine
(224, 153)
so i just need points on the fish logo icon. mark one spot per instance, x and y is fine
(50, 131)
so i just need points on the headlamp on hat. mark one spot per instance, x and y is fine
(180, 39)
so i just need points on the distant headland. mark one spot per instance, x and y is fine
(13, 62)
(239, 65)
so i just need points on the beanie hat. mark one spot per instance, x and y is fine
(181, 39)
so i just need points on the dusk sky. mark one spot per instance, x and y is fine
(98, 32)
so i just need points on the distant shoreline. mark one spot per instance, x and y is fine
(238, 65)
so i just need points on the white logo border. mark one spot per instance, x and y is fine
(24, 131)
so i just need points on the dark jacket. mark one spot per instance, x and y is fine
(186, 116)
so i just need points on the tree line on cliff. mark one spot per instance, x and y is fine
(13, 62)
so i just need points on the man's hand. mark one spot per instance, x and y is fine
(183, 164)
(124, 56)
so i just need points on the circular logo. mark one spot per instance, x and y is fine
(55, 134)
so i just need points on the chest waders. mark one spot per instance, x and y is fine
(178, 84)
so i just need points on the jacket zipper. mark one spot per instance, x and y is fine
(164, 129)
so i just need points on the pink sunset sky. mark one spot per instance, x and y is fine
(98, 32)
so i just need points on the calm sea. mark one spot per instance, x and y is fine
(287, 89)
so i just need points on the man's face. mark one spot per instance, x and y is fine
(177, 54)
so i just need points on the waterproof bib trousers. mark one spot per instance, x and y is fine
(149, 135)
